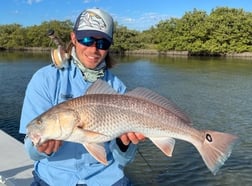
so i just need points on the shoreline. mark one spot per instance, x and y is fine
(140, 52)
(184, 53)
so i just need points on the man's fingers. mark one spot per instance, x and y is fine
(125, 140)
(140, 136)
(42, 147)
(57, 145)
(133, 138)
(49, 146)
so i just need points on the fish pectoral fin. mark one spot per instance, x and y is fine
(97, 151)
(165, 144)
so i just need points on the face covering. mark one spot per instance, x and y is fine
(90, 75)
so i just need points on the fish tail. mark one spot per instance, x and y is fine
(216, 148)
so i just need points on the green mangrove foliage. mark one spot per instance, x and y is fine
(223, 30)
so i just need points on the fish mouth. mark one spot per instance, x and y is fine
(38, 142)
(35, 138)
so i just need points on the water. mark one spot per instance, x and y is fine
(216, 94)
(16, 69)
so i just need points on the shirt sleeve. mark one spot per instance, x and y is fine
(36, 101)
(123, 158)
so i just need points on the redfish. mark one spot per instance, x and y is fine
(102, 115)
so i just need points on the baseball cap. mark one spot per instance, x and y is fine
(94, 22)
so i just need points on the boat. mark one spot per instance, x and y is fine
(15, 165)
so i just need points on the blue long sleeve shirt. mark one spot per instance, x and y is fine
(71, 164)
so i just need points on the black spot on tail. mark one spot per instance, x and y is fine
(209, 138)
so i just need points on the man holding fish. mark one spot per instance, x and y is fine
(86, 140)
(60, 162)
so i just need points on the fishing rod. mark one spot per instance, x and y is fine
(142, 156)
(152, 176)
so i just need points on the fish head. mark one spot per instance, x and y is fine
(57, 124)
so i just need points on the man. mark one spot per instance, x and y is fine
(66, 163)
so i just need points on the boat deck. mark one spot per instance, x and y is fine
(15, 165)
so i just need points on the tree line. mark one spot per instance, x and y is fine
(224, 30)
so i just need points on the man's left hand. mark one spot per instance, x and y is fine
(133, 137)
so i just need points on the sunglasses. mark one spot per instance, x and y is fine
(102, 44)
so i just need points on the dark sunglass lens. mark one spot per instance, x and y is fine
(102, 44)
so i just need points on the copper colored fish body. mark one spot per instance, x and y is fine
(102, 115)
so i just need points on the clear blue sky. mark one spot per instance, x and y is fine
(135, 14)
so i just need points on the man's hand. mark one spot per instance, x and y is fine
(131, 137)
(49, 146)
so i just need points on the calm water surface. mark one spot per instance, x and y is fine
(216, 94)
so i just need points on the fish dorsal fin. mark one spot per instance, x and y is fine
(100, 87)
(157, 99)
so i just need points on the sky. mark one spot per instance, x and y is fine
(134, 14)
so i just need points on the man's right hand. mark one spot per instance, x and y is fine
(49, 146)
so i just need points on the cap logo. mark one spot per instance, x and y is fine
(91, 19)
